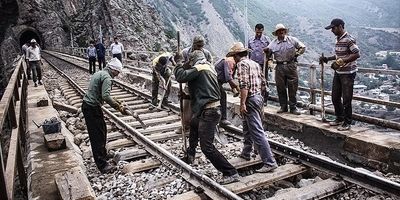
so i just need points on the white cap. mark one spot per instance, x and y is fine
(115, 64)
(33, 41)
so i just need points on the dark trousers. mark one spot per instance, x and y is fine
(342, 87)
(97, 131)
(102, 62)
(286, 76)
(253, 131)
(92, 65)
(36, 70)
(156, 83)
(119, 56)
(203, 127)
(224, 114)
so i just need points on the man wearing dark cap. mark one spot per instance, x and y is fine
(286, 49)
(204, 93)
(345, 66)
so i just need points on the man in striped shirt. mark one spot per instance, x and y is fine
(345, 66)
(252, 86)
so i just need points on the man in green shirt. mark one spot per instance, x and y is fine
(99, 92)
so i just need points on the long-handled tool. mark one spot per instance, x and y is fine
(164, 92)
(323, 119)
(178, 38)
(134, 114)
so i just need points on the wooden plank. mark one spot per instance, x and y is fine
(161, 128)
(65, 107)
(191, 195)
(125, 95)
(261, 179)
(318, 190)
(114, 136)
(119, 144)
(141, 165)
(156, 121)
(136, 152)
(74, 185)
(154, 115)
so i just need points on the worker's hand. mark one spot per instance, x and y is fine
(264, 92)
(178, 58)
(335, 66)
(271, 65)
(235, 91)
(243, 109)
(116, 100)
(323, 59)
(340, 62)
(123, 110)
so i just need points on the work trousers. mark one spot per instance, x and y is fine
(286, 76)
(203, 127)
(118, 56)
(102, 62)
(28, 69)
(156, 83)
(36, 70)
(223, 102)
(253, 131)
(92, 65)
(342, 87)
(97, 131)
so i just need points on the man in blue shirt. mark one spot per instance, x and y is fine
(257, 44)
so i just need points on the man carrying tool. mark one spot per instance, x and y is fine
(224, 68)
(252, 85)
(99, 91)
(205, 95)
(286, 49)
(345, 66)
(161, 73)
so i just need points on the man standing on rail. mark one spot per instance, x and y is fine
(91, 54)
(161, 73)
(345, 66)
(35, 62)
(205, 95)
(252, 86)
(286, 49)
(117, 49)
(101, 54)
(197, 44)
(99, 91)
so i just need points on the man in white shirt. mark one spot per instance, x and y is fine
(24, 51)
(35, 62)
(117, 49)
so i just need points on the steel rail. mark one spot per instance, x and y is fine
(350, 174)
(210, 187)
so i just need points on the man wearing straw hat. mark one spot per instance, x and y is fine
(286, 49)
(252, 85)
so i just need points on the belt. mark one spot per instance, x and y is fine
(284, 62)
(212, 104)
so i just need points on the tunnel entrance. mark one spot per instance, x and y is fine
(27, 36)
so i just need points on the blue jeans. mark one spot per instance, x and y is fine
(203, 127)
(253, 131)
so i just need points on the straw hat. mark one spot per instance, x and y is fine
(279, 27)
(237, 47)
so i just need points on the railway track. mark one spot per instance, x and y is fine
(157, 147)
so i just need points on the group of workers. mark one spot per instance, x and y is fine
(99, 51)
(33, 60)
(205, 96)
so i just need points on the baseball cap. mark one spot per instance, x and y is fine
(335, 22)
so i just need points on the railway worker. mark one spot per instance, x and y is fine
(286, 49)
(101, 54)
(345, 66)
(257, 44)
(24, 51)
(117, 49)
(224, 68)
(204, 92)
(161, 73)
(197, 44)
(91, 54)
(35, 62)
(99, 91)
(252, 86)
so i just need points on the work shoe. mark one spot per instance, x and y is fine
(225, 122)
(165, 102)
(335, 123)
(230, 179)
(244, 157)
(151, 107)
(40, 83)
(295, 111)
(266, 168)
(189, 159)
(107, 169)
(29, 77)
(35, 85)
(282, 110)
(344, 127)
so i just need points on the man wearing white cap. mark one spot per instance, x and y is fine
(286, 49)
(35, 62)
(252, 87)
(99, 91)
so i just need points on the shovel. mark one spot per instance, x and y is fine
(163, 94)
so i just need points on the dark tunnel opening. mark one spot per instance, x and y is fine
(27, 36)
